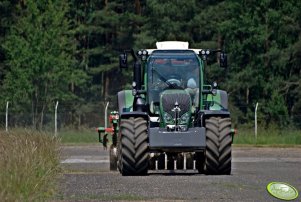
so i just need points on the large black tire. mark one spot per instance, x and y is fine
(119, 156)
(218, 146)
(113, 159)
(133, 149)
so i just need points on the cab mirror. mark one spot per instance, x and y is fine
(123, 60)
(223, 60)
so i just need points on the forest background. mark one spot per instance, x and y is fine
(67, 51)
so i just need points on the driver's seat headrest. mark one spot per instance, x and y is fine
(191, 83)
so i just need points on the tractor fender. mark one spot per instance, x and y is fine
(215, 113)
(125, 101)
(202, 115)
(224, 99)
(220, 100)
(135, 114)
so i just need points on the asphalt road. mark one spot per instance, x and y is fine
(87, 178)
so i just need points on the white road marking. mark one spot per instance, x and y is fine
(263, 159)
(85, 159)
(104, 159)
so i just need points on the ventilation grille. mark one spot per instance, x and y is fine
(169, 100)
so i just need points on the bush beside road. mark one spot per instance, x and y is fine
(29, 164)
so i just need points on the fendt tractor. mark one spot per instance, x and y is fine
(170, 119)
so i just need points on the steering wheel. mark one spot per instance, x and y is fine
(174, 81)
(173, 76)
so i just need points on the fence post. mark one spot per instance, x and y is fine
(6, 117)
(256, 121)
(106, 115)
(55, 118)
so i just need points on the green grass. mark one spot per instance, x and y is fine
(268, 137)
(78, 137)
(29, 164)
(245, 136)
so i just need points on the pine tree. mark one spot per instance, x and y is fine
(260, 37)
(39, 51)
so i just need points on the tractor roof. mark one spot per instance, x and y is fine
(173, 45)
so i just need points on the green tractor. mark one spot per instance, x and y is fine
(171, 119)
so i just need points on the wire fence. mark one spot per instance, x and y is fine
(74, 120)
(65, 121)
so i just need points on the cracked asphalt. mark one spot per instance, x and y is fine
(86, 177)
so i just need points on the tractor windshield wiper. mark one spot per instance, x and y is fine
(162, 78)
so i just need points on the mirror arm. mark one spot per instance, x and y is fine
(132, 52)
(134, 55)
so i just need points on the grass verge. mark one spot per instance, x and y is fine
(268, 137)
(245, 136)
(29, 164)
(78, 137)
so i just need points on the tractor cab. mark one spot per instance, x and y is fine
(173, 85)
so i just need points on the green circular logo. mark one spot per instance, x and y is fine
(282, 191)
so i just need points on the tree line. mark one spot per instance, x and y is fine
(67, 51)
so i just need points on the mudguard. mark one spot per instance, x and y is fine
(125, 101)
(218, 101)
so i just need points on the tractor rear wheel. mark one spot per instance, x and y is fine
(113, 159)
(218, 146)
(133, 154)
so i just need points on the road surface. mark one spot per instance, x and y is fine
(87, 178)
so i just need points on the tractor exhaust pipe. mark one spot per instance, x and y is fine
(137, 77)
